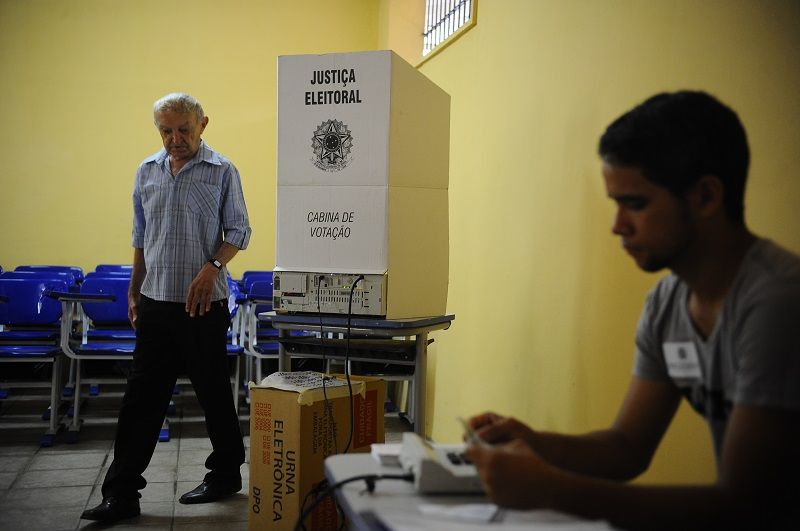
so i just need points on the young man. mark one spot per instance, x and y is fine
(189, 220)
(722, 331)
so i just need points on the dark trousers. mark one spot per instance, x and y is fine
(168, 341)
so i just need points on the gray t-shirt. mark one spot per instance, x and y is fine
(753, 354)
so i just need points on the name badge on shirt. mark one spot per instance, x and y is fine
(682, 360)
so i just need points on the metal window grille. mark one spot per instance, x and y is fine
(442, 19)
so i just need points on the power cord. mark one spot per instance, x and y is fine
(369, 479)
(347, 359)
(322, 485)
(328, 407)
(313, 493)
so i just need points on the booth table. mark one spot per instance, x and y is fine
(390, 341)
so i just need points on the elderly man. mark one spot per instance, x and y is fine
(721, 331)
(189, 221)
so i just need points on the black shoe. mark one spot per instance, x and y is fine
(209, 491)
(112, 509)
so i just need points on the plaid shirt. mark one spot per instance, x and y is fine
(180, 221)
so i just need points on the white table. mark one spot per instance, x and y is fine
(390, 330)
(395, 504)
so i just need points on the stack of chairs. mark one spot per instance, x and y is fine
(30, 325)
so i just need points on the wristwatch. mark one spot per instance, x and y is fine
(216, 263)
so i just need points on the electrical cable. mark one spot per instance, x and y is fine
(319, 487)
(314, 492)
(369, 479)
(347, 360)
(328, 407)
(342, 518)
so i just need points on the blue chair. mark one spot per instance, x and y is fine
(114, 268)
(106, 274)
(254, 303)
(105, 322)
(28, 319)
(236, 307)
(260, 340)
(243, 288)
(76, 271)
(236, 302)
(111, 331)
(67, 276)
(252, 276)
(103, 305)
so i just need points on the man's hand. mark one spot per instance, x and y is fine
(201, 290)
(514, 475)
(133, 308)
(494, 429)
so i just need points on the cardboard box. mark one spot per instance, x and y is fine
(363, 164)
(289, 442)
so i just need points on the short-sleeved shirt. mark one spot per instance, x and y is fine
(181, 221)
(751, 357)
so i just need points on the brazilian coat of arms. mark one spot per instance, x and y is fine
(332, 143)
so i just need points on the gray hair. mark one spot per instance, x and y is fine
(179, 102)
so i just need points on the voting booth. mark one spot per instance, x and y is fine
(363, 148)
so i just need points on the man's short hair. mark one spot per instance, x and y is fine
(676, 138)
(181, 103)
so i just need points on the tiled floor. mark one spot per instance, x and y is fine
(46, 489)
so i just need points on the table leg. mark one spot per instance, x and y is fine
(420, 369)
(284, 360)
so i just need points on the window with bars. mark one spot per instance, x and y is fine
(444, 18)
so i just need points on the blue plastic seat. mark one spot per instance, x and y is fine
(29, 320)
(252, 302)
(260, 339)
(106, 274)
(108, 321)
(67, 276)
(253, 276)
(106, 334)
(260, 297)
(114, 268)
(75, 271)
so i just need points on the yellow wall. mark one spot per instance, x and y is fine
(77, 83)
(545, 301)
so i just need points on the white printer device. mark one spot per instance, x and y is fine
(438, 468)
